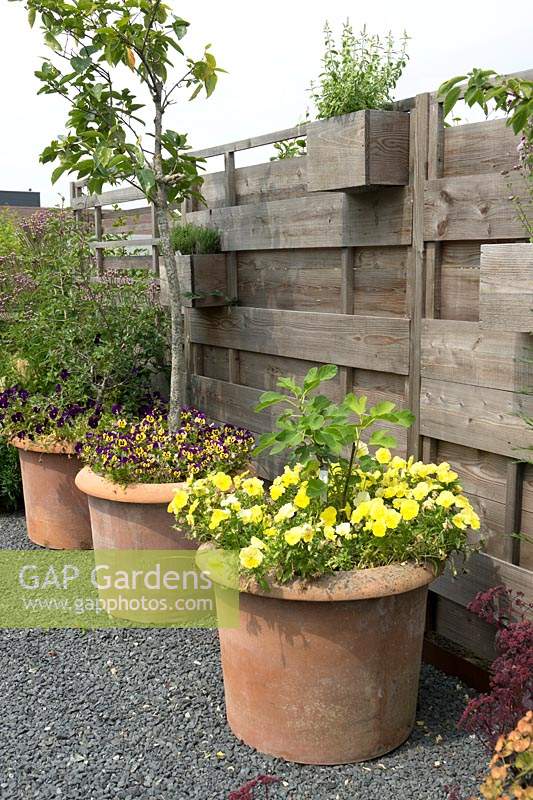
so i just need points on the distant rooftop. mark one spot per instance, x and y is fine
(26, 199)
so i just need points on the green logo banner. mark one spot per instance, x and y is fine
(118, 588)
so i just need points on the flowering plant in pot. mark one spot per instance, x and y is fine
(134, 469)
(71, 348)
(335, 559)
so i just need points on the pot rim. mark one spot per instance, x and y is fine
(358, 584)
(146, 493)
(57, 448)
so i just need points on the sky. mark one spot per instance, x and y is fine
(272, 52)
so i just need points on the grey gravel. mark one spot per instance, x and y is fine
(123, 714)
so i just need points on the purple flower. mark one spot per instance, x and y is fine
(64, 374)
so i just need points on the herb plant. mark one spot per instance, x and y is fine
(361, 72)
(189, 239)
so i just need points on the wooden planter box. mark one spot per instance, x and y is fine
(366, 148)
(506, 287)
(203, 276)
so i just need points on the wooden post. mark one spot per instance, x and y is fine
(230, 192)
(98, 232)
(155, 247)
(415, 279)
(347, 299)
(513, 511)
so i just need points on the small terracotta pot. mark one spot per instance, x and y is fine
(327, 672)
(134, 517)
(57, 513)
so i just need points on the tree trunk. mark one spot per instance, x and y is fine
(178, 373)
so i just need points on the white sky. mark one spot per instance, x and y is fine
(272, 51)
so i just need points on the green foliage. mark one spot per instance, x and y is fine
(360, 73)
(514, 96)
(10, 480)
(289, 148)
(107, 140)
(316, 430)
(108, 334)
(9, 242)
(192, 239)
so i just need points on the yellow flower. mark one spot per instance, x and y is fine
(293, 535)
(362, 450)
(360, 512)
(445, 474)
(409, 509)
(179, 501)
(471, 518)
(301, 499)
(398, 463)
(445, 499)
(253, 487)
(276, 492)
(250, 557)
(255, 542)
(251, 515)
(421, 490)
(290, 476)
(285, 512)
(462, 502)
(218, 515)
(270, 531)
(308, 533)
(222, 481)
(383, 455)
(379, 528)
(459, 522)
(329, 516)
(392, 518)
(329, 533)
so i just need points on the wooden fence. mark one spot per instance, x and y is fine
(384, 282)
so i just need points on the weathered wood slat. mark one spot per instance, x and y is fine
(354, 341)
(112, 244)
(128, 262)
(483, 571)
(126, 194)
(506, 287)
(488, 419)
(465, 353)
(329, 219)
(478, 148)
(275, 180)
(472, 207)
(253, 141)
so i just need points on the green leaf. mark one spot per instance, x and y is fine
(357, 405)
(382, 438)
(327, 372)
(316, 488)
(31, 17)
(451, 99)
(290, 384)
(57, 173)
(405, 418)
(382, 408)
(269, 399)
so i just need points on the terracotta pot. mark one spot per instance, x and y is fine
(327, 672)
(131, 518)
(57, 513)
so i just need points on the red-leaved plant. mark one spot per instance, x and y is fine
(510, 697)
(248, 791)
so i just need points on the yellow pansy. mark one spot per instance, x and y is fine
(250, 557)
(218, 516)
(270, 531)
(253, 487)
(421, 490)
(409, 509)
(290, 476)
(383, 455)
(222, 481)
(445, 474)
(329, 516)
(362, 450)
(285, 512)
(277, 491)
(377, 508)
(360, 512)
(293, 535)
(392, 518)
(329, 533)
(379, 528)
(445, 499)
(398, 463)
(251, 515)
(302, 499)
(343, 529)
(255, 542)
(459, 522)
(462, 502)
(308, 533)
(178, 502)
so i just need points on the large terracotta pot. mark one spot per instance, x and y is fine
(133, 517)
(57, 513)
(327, 672)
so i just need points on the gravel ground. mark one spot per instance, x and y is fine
(140, 714)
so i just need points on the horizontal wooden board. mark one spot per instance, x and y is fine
(329, 219)
(472, 207)
(488, 419)
(463, 352)
(275, 180)
(458, 293)
(481, 474)
(455, 623)
(126, 194)
(136, 221)
(354, 341)
(127, 262)
(506, 287)
(484, 571)
(379, 285)
(481, 147)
